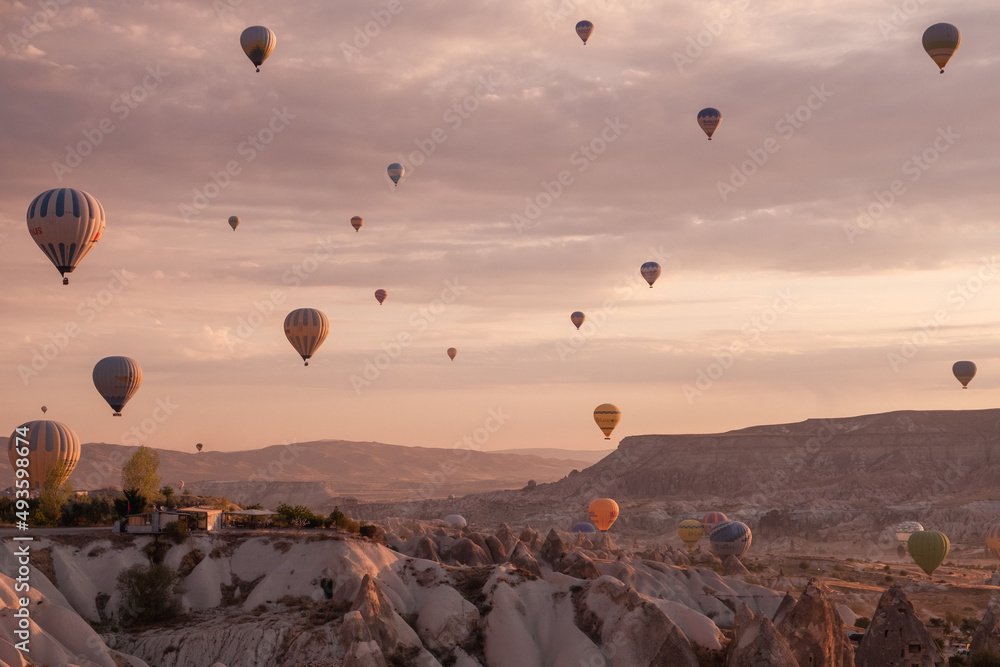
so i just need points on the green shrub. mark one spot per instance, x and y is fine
(368, 530)
(862, 622)
(177, 531)
(149, 593)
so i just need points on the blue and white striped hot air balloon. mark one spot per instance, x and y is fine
(730, 538)
(396, 172)
(66, 224)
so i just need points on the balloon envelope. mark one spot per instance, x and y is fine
(44, 409)
(708, 120)
(380, 295)
(690, 531)
(199, 446)
(306, 329)
(584, 29)
(603, 512)
(577, 318)
(52, 447)
(607, 416)
(452, 352)
(928, 548)
(257, 42)
(395, 172)
(711, 519)
(964, 372)
(650, 271)
(455, 520)
(66, 224)
(117, 379)
(583, 527)
(234, 222)
(356, 222)
(730, 538)
(941, 41)
(905, 529)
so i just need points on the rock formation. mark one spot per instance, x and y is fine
(896, 636)
(987, 634)
(815, 632)
(756, 642)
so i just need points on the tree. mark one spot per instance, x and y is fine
(139, 474)
(131, 502)
(54, 494)
(149, 593)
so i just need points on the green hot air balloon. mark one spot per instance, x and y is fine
(928, 548)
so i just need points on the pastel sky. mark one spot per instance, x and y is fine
(777, 301)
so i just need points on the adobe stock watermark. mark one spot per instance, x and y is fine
(226, 9)
(453, 117)
(88, 309)
(122, 107)
(752, 330)
(900, 16)
(581, 158)
(294, 276)
(704, 39)
(786, 126)
(289, 454)
(363, 35)
(393, 348)
(136, 435)
(32, 25)
(915, 167)
(248, 151)
(957, 298)
(795, 462)
(471, 442)
(594, 321)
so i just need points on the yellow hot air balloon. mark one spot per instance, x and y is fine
(257, 42)
(47, 447)
(356, 222)
(607, 416)
(964, 372)
(584, 29)
(234, 222)
(380, 295)
(928, 548)
(117, 379)
(690, 532)
(941, 41)
(66, 224)
(452, 352)
(603, 513)
(577, 318)
(306, 329)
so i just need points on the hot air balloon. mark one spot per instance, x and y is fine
(66, 224)
(993, 540)
(395, 172)
(117, 379)
(306, 329)
(456, 520)
(234, 222)
(52, 448)
(928, 548)
(577, 318)
(905, 529)
(709, 119)
(380, 295)
(650, 271)
(199, 446)
(730, 538)
(583, 527)
(452, 352)
(585, 29)
(607, 417)
(690, 532)
(44, 409)
(356, 222)
(711, 519)
(603, 512)
(182, 483)
(964, 371)
(941, 41)
(257, 42)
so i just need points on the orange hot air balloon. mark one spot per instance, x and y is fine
(607, 417)
(356, 222)
(603, 513)
(380, 295)
(452, 352)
